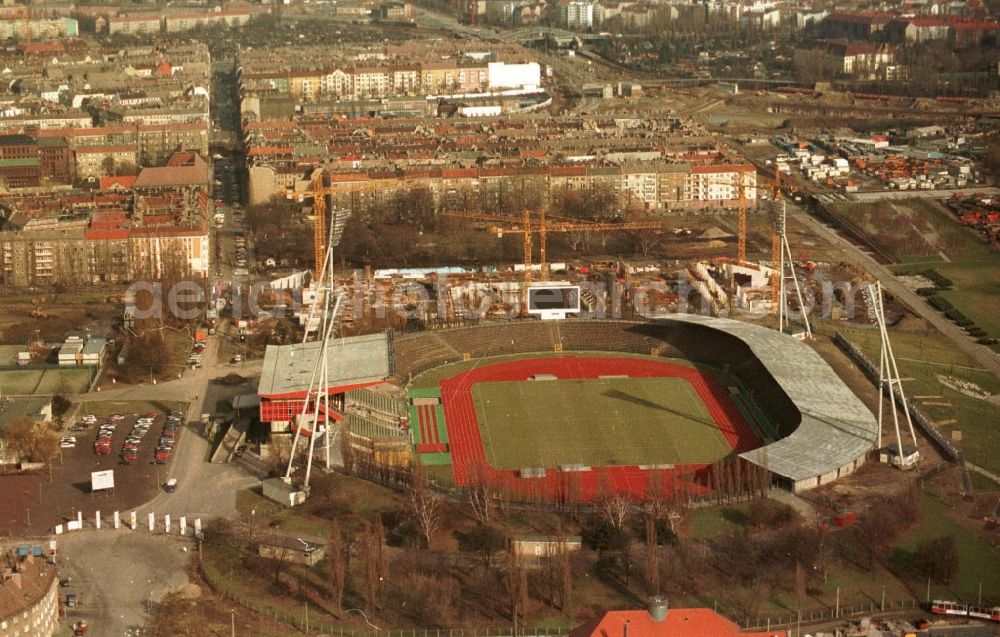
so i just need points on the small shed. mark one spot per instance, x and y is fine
(70, 352)
(292, 548)
(93, 351)
(544, 545)
(282, 491)
(891, 455)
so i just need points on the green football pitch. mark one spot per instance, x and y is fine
(595, 422)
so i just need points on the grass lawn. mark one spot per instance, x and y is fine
(715, 521)
(982, 483)
(76, 380)
(351, 500)
(20, 381)
(978, 561)
(922, 358)
(595, 422)
(971, 265)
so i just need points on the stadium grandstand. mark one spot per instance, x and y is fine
(809, 428)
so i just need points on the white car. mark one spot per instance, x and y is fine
(67, 442)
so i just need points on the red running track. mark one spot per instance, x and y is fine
(427, 415)
(468, 454)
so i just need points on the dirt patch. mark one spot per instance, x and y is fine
(198, 610)
(21, 323)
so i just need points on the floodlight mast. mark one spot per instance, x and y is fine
(787, 260)
(888, 372)
(318, 394)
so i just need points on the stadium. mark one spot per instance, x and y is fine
(536, 406)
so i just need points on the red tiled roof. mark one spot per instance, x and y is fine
(726, 168)
(680, 622)
(125, 181)
(975, 26)
(182, 169)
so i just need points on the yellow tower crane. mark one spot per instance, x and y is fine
(318, 190)
(776, 244)
(537, 223)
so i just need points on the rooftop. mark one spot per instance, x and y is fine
(192, 171)
(356, 360)
(836, 427)
(19, 594)
(679, 622)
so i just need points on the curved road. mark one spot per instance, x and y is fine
(117, 573)
(984, 356)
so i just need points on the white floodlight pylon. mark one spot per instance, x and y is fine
(787, 260)
(888, 373)
(318, 395)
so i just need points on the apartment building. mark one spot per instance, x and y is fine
(92, 162)
(29, 605)
(133, 24)
(19, 161)
(836, 58)
(38, 28)
(575, 14)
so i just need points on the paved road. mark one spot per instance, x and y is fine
(117, 574)
(983, 356)
(203, 489)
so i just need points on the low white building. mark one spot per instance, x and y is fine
(93, 351)
(71, 351)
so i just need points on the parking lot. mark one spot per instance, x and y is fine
(136, 447)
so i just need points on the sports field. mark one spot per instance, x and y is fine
(595, 422)
(577, 422)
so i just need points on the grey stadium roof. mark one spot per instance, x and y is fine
(836, 428)
(351, 361)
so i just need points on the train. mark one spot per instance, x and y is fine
(989, 613)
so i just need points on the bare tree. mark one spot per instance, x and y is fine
(647, 240)
(613, 504)
(335, 565)
(381, 558)
(937, 558)
(34, 441)
(479, 491)
(656, 499)
(371, 571)
(652, 555)
(516, 581)
(565, 565)
(427, 506)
